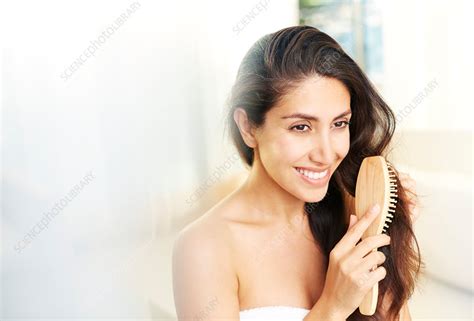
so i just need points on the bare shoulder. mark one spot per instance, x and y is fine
(214, 230)
(205, 282)
(207, 235)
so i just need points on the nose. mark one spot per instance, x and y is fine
(321, 153)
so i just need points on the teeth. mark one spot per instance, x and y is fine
(312, 175)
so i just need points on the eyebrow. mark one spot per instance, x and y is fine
(310, 117)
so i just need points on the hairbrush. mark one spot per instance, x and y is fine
(376, 183)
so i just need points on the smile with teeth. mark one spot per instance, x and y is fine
(312, 175)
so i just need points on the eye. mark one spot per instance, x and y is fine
(299, 127)
(341, 123)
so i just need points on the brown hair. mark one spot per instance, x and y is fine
(274, 65)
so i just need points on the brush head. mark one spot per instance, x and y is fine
(376, 183)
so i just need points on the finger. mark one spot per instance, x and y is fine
(354, 234)
(377, 275)
(353, 219)
(369, 244)
(371, 261)
(367, 264)
(368, 279)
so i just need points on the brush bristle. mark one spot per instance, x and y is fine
(393, 196)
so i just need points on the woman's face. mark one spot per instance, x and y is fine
(305, 136)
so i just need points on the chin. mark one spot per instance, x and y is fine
(311, 196)
(318, 196)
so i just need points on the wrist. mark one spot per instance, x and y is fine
(323, 310)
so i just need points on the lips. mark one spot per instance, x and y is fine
(312, 174)
(314, 169)
(315, 182)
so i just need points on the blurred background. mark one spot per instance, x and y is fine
(112, 139)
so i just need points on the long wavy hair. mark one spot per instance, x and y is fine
(273, 66)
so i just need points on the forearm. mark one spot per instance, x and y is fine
(322, 311)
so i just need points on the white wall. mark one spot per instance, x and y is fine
(141, 116)
(428, 43)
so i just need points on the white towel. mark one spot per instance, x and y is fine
(274, 313)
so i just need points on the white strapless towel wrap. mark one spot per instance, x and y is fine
(274, 313)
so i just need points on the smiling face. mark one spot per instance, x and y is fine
(308, 129)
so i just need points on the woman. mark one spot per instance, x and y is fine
(302, 116)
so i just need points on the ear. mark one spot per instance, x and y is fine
(245, 127)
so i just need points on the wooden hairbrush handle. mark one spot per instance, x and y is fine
(376, 183)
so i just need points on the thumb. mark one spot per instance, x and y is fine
(353, 219)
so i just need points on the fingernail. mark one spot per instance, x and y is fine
(375, 209)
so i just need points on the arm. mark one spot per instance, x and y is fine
(322, 311)
(204, 283)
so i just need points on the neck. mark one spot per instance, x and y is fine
(268, 200)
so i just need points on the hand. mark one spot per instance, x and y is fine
(350, 276)
(409, 185)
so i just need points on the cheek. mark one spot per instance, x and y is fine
(341, 145)
(288, 148)
(283, 149)
(279, 150)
